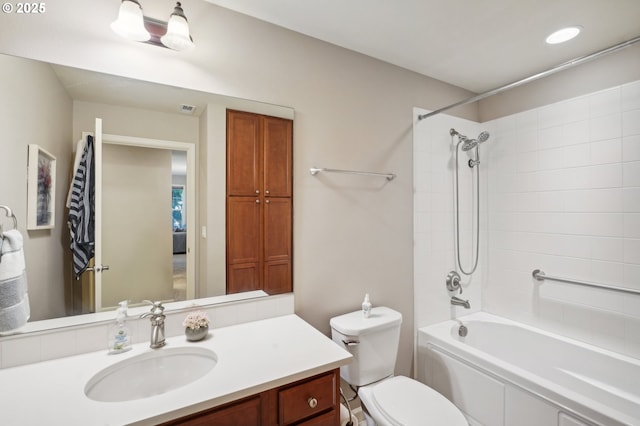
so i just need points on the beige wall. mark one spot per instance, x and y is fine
(26, 117)
(351, 234)
(119, 120)
(607, 71)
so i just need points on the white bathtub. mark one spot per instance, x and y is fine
(505, 373)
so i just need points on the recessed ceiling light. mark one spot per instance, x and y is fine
(565, 34)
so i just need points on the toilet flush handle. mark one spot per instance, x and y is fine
(350, 342)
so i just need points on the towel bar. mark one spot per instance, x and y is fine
(10, 214)
(314, 171)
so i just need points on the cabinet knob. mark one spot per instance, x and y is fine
(266, 201)
(257, 191)
(266, 192)
(257, 201)
(313, 403)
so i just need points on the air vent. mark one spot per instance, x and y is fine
(187, 109)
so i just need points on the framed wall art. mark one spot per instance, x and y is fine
(41, 189)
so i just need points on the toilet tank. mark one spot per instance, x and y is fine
(372, 341)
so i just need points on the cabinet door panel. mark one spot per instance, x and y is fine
(278, 157)
(277, 277)
(243, 153)
(243, 277)
(246, 413)
(277, 246)
(277, 229)
(244, 243)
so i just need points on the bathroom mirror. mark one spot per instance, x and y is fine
(128, 107)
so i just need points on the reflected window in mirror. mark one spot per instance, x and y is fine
(177, 208)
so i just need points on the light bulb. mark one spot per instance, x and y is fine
(177, 36)
(130, 22)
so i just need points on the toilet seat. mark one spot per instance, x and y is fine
(404, 401)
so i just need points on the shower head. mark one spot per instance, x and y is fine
(482, 137)
(467, 143)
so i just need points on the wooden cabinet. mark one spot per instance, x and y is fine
(259, 203)
(312, 401)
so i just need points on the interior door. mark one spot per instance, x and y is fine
(133, 219)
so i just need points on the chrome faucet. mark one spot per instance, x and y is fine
(459, 302)
(157, 317)
(453, 284)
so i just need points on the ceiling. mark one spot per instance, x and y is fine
(474, 44)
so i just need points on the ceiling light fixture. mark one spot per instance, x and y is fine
(564, 34)
(133, 25)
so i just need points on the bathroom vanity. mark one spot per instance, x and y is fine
(274, 371)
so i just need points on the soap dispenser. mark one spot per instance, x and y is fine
(119, 336)
(366, 306)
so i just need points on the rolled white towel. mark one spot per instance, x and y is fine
(14, 296)
(11, 255)
(14, 317)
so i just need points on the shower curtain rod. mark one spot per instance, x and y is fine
(568, 64)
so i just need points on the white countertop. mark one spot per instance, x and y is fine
(252, 358)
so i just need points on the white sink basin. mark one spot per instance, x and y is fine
(151, 373)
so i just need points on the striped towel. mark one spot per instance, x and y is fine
(81, 211)
(14, 296)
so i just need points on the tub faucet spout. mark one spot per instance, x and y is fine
(459, 302)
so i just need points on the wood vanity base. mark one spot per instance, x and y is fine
(312, 401)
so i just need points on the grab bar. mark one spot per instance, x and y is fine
(541, 276)
(314, 171)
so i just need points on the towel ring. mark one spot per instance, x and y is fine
(10, 214)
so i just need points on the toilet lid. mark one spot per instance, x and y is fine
(405, 401)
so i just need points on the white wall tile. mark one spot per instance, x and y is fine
(550, 159)
(575, 132)
(59, 344)
(607, 249)
(21, 350)
(631, 274)
(631, 200)
(631, 174)
(631, 148)
(576, 109)
(632, 225)
(606, 151)
(605, 102)
(631, 122)
(584, 224)
(576, 155)
(632, 251)
(631, 96)
(605, 127)
(550, 137)
(606, 176)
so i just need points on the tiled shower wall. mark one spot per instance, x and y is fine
(434, 238)
(564, 197)
(560, 192)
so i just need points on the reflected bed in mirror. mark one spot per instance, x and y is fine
(51, 105)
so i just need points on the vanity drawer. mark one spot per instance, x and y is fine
(308, 398)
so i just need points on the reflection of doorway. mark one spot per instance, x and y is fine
(136, 232)
(179, 227)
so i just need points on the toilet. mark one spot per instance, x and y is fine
(387, 400)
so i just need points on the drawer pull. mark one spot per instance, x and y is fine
(313, 403)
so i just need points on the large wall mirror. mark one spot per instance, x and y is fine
(51, 106)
